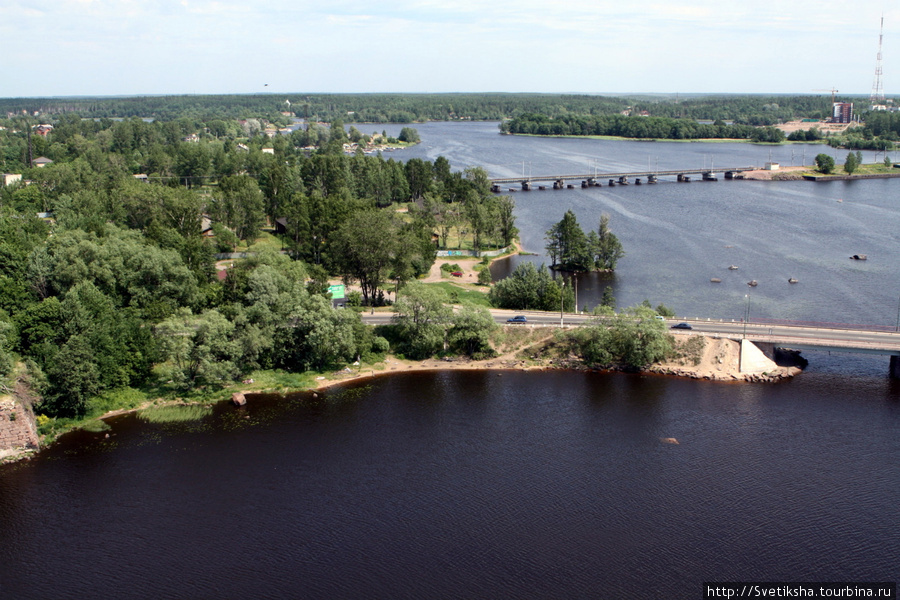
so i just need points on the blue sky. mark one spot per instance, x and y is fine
(126, 47)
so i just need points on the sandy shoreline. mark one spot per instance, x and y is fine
(719, 361)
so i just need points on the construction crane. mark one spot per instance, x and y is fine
(833, 92)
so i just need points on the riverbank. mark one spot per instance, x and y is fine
(712, 359)
(717, 360)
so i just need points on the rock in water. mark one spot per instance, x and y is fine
(238, 399)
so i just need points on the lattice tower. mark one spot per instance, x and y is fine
(877, 87)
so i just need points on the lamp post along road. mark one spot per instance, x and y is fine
(562, 288)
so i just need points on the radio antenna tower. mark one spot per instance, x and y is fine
(877, 88)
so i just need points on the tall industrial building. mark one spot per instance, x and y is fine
(842, 112)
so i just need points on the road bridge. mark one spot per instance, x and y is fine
(559, 182)
(808, 336)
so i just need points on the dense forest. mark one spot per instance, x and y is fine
(637, 127)
(109, 282)
(746, 109)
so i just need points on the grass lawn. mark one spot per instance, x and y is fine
(266, 240)
(459, 295)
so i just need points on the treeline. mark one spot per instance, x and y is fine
(637, 127)
(746, 109)
(119, 288)
(406, 108)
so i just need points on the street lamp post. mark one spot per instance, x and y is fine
(898, 315)
(562, 288)
(747, 316)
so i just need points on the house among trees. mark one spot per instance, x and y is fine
(10, 178)
(206, 229)
(42, 161)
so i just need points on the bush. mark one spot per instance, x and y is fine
(354, 299)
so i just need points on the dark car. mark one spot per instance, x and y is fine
(682, 326)
(517, 319)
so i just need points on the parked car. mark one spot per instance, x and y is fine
(682, 326)
(456, 273)
(517, 319)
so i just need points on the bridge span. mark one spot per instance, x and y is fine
(559, 182)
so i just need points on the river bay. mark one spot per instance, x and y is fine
(525, 484)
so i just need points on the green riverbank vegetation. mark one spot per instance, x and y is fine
(113, 292)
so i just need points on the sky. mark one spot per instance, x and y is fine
(139, 47)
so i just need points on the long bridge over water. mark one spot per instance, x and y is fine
(559, 182)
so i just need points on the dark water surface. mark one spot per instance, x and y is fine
(469, 485)
(525, 485)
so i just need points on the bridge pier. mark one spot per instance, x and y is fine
(526, 186)
(680, 177)
(559, 184)
(623, 180)
(651, 179)
(895, 367)
(495, 188)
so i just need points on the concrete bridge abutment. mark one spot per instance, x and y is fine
(895, 367)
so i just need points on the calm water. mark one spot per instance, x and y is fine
(679, 236)
(523, 485)
(448, 485)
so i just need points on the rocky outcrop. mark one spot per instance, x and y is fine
(18, 430)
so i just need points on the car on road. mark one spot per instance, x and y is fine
(682, 326)
(517, 319)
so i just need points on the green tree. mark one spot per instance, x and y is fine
(608, 299)
(421, 321)
(240, 205)
(198, 349)
(568, 246)
(471, 331)
(192, 162)
(316, 336)
(6, 361)
(409, 135)
(606, 246)
(824, 163)
(507, 220)
(635, 338)
(73, 379)
(851, 163)
(364, 249)
(530, 288)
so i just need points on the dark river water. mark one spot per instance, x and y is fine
(524, 485)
